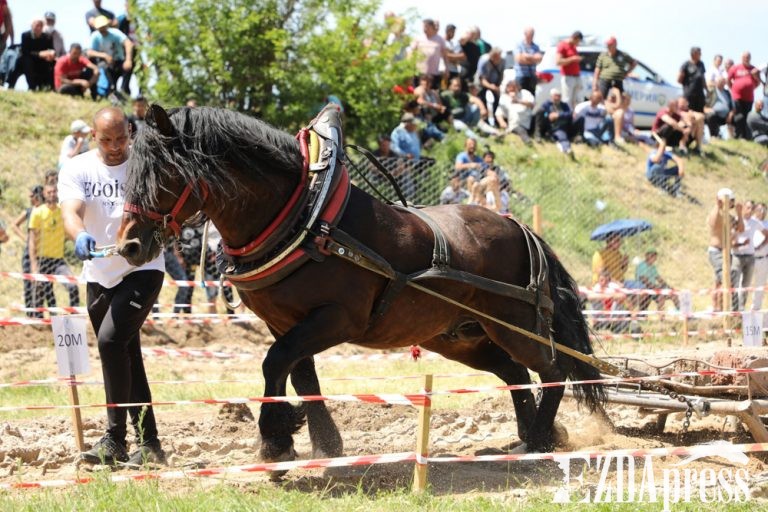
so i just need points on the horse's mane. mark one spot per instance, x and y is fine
(207, 144)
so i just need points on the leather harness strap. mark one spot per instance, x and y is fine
(441, 254)
(168, 220)
(295, 203)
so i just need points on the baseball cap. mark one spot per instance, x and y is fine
(611, 40)
(79, 126)
(578, 35)
(725, 193)
(651, 250)
(100, 21)
(407, 118)
(50, 15)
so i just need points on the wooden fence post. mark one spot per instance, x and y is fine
(77, 421)
(537, 219)
(422, 439)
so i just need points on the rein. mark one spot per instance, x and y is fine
(168, 220)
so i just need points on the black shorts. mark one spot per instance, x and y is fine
(671, 136)
(607, 85)
(696, 103)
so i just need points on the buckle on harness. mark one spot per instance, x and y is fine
(321, 240)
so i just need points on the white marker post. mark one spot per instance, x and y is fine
(422, 440)
(752, 328)
(71, 342)
(685, 299)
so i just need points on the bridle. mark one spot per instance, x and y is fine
(168, 220)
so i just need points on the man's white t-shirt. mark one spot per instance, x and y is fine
(745, 239)
(102, 188)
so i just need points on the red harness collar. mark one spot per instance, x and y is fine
(168, 220)
(253, 245)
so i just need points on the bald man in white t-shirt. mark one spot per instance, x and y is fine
(119, 295)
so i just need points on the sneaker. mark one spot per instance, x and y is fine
(105, 451)
(620, 141)
(146, 455)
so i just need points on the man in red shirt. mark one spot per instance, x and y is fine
(569, 60)
(670, 128)
(75, 74)
(742, 80)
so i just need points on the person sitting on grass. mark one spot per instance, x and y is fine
(661, 174)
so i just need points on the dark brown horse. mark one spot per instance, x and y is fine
(247, 177)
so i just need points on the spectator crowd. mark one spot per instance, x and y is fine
(461, 84)
(101, 67)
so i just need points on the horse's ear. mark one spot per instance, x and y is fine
(159, 118)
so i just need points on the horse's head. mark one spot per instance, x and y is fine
(159, 195)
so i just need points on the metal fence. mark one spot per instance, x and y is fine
(569, 205)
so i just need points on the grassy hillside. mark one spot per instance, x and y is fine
(568, 193)
(35, 124)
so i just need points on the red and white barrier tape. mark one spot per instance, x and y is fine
(698, 451)
(415, 399)
(668, 334)
(79, 310)
(55, 278)
(331, 358)
(585, 291)
(359, 460)
(167, 319)
(65, 381)
(704, 450)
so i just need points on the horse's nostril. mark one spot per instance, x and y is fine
(130, 249)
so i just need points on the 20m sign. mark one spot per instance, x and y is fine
(69, 340)
(71, 343)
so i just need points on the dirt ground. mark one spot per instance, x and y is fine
(43, 448)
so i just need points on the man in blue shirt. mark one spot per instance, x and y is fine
(468, 162)
(527, 57)
(660, 174)
(113, 50)
(405, 138)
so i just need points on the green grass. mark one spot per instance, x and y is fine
(194, 495)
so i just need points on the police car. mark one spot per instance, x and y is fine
(649, 91)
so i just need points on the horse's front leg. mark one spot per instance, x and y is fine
(323, 327)
(323, 433)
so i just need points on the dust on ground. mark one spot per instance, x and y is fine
(43, 448)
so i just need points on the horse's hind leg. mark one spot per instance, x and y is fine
(484, 355)
(538, 358)
(325, 437)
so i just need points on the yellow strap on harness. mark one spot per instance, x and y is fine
(314, 147)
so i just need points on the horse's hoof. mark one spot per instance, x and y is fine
(560, 435)
(319, 453)
(519, 449)
(277, 475)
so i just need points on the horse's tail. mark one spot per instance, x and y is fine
(571, 329)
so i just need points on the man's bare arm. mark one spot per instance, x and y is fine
(73, 211)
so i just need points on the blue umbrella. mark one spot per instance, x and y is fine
(620, 227)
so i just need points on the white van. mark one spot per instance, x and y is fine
(649, 91)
